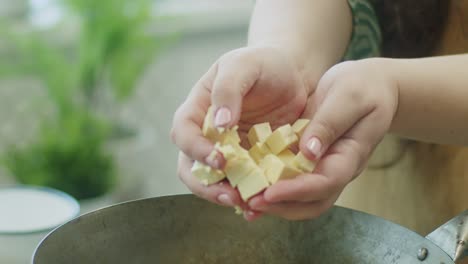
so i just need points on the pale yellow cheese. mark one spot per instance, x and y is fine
(275, 169)
(241, 152)
(232, 151)
(303, 163)
(228, 151)
(266, 162)
(299, 126)
(230, 137)
(259, 133)
(213, 153)
(287, 156)
(238, 210)
(208, 129)
(281, 139)
(252, 184)
(258, 151)
(206, 174)
(238, 168)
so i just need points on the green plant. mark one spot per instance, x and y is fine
(112, 48)
(69, 156)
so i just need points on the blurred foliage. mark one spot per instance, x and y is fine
(112, 48)
(68, 157)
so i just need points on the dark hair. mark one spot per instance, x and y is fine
(411, 28)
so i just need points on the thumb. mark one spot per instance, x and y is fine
(337, 114)
(235, 76)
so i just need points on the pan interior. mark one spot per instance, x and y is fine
(185, 229)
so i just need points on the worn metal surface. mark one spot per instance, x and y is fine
(452, 236)
(185, 229)
(461, 251)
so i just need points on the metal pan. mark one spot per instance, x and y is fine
(185, 229)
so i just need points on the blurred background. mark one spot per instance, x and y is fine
(88, 89)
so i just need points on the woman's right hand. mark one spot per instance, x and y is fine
(246, 86)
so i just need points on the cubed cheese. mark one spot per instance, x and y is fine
(281, 139)
(275, 169)
(208, 129)
(238, 168)
(228, 151)
(299, 126)
(238, 210)
(287, 156)
(258, 151)
(303, 163)
(254, 183)
(230, 137)
(233, 151)
(206, 174)
(259, 133)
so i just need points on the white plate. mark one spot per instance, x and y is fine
(28, 209)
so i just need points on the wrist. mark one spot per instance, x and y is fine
(388, 69)
(310, 67)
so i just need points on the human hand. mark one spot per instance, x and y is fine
(246, 86)
(351, 110)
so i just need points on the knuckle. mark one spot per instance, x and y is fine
(327, 131)
(178, 124)
(354, 92)
(238, 58)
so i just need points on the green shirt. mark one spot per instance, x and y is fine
(366, 38)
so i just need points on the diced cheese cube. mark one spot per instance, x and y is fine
(299, 126)
(208, 129)
(228, 151)
(287, 156)
(238, 168)
(238, 210)
(252, 184)
(303, 163)
(206, 174)
(259, 133)
(230, 137)
(281, 139)
(276, 169)
(233, 151)
(258, 151)
(213, 153)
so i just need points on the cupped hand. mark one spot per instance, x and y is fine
(246, 86)
(350, 111)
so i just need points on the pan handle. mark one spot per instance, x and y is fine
(452, 237)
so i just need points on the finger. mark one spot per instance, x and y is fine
(367, 134)
(339, 111)
(221, 193)
(305, 188)
(251, 215)
(292, 210)
(345, 160)
(333, 171)
(236, 75)
(186, 130)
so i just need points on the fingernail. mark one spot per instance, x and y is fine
(315, 147)
(248, 214)
(213, 160)
(223, 117)
(225, 199)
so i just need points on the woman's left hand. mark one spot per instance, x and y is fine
(351, 110)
